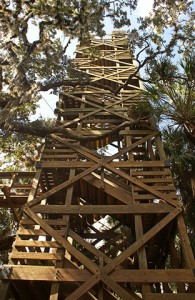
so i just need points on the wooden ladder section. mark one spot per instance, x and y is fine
(101, 219)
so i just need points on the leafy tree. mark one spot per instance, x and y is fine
(7, 233)
(26, 67)
(172, 99)
(167, 32)
(173, 94)
(181, 152)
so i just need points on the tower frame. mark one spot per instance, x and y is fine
(101, 217)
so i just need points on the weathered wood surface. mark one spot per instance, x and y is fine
(103, 209)
(134, 276)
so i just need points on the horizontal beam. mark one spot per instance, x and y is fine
(48, 274)
(16, 201)
(103, 209)
(4, 175)
(170, 296)
(135, 276)
(35, 255)
(154, 275)
(88, 164)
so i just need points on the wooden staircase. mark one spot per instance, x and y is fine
(100, 214)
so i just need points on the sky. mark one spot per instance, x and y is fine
(144, 7)
(48, 102)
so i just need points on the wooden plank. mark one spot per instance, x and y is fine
(54, 292)
(152, 173)
(51, 222)
(8, 175)
(165, 188)
(137, 164)
(150, 208)
(34, 232)
(117, 164)
(35, 185)
(16, 201)
(57, 151)
(157, 180)
(70, 275)
(185, 242)
(34, 256)
(52, 274)
(167, 296)
(143, 240)
(57, 156)
(152, 197)
(27, 243)
(87, 109)
(154, 275)
(62, 186)
(66, 164)
(136, 132)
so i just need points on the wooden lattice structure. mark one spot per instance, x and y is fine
(100, 215)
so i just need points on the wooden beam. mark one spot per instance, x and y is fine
(35, 185)
(27, 243)
(154, 275)
(41, 273)
(8, 175)
(6, 190)
(167, 296)
(185, 242)
(103, 209)
(54, 292)
(16, 201)
(114, 164)
(34, 256)
(66, 164)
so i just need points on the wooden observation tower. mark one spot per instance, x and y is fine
(101, 216)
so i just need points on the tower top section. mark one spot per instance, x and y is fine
(107, 62)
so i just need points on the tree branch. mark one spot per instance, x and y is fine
(42, 131)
